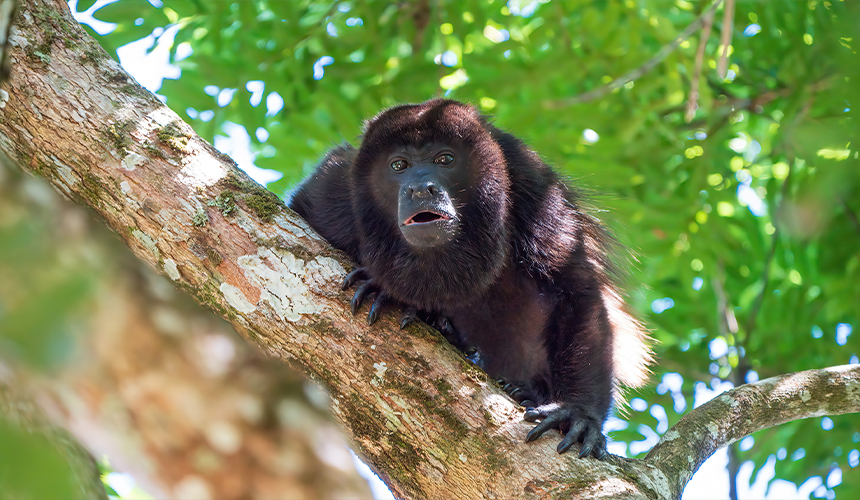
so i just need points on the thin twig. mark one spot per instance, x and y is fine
(638, 72)
(727, 322)
(750, 323)
(726, 37)
(8, 9)
(754, 104)
(852, 216)
(692, 103)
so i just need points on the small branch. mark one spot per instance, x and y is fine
(8, 9)
(750, 408)
(638, 72)
(692, 104)
(733, 467)
(852, 216)
(727, 323)
(726, 37)
(749, 324)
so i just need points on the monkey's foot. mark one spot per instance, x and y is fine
(357, 274)
(518, 392)
(448, 331)
(410, 315)
(577, 424)
(363, 290)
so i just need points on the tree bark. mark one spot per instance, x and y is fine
(750, 408)
(159, 385)
(430, 423)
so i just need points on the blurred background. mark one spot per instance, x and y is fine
(723, 149)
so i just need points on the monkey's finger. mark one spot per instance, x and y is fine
(409, 316)
(532, 415)
(362, 291)
(600, 450)
(527, 403)
(376, 308)
(356, 275)
(593, 444)
(548, 423)
(571, 437)
(590, 443)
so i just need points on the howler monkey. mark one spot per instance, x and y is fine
(468, 229)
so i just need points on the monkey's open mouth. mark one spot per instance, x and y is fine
(424, 217)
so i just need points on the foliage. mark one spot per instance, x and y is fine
(744, 218)
(45, 289)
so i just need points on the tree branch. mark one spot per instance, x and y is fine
(850, 214)
(726, 37)
(692, 102)
(750, 408)
(158, 384)
(8, 9)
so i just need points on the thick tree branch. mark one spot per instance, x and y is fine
(750, 408)
(158, 384)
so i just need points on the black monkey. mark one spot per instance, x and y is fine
(468, 229)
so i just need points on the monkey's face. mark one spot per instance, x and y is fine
(428, 185)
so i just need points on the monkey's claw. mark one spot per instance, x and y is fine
(409, 316)
(375, 309)
(517, 392)
(361, 292)
(358, 274)
(576, 425)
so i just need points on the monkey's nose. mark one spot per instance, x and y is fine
(426, 189)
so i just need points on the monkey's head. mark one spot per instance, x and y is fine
(431, 194)
(430, 182)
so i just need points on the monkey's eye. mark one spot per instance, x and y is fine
(399, 165)
(444, 159)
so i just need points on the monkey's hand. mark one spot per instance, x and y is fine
(363, 290)
(578, 424)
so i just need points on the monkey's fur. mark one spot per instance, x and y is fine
(466, 227)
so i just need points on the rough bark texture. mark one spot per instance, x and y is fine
(751, 408)
(426, 419)
(158, 384)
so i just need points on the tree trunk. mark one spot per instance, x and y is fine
(430, 423)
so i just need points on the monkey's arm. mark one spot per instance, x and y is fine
(579, 340)
(324, 200)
